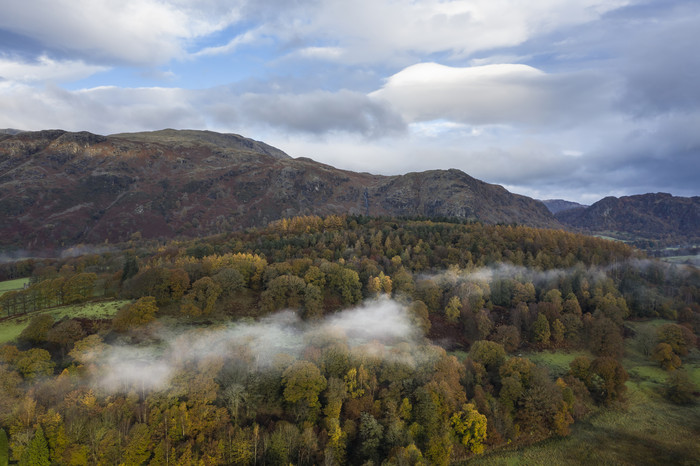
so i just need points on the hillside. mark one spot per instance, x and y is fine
(657, 216)
(560, 205)
(59, 188)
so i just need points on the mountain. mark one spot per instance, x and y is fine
(9, 131)
(659, 216)
(59, 188)
(559, 205)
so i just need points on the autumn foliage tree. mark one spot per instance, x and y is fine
(139, 313)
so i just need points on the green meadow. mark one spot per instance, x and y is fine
(12, 327)
(11, 285)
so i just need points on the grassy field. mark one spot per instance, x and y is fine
(646, 430)
(11, 328)
(11, 285)
(556, 361)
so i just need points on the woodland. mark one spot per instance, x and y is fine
(336, 340)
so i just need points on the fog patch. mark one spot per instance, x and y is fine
(379, 329)
(504, 271)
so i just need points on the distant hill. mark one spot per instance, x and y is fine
(9, 131)
(559, 205)
(59, 188)
(657, 216)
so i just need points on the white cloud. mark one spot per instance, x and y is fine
(142, 32)
(378, 30)
(239, 40)
(493, 94)
(45, 69)
(322, 53)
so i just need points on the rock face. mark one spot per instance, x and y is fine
(560, 205)
(59, 189)
(651, 216)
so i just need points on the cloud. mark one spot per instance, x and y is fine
(140, 32)
(378, 325)
(45, 69)
(372, 31)
(109, 109)
(231, 46)
(656, 52)
(493, 94)
(321, 112)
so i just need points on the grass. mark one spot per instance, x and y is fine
(556, 361)
(646, 430)
(11, 285)
(11, 328)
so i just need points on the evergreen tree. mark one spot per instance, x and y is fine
(37, 452)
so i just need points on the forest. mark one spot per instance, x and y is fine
(336, 340)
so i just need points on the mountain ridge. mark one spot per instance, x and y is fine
(559, 205)
(653, 216)
(59, 188)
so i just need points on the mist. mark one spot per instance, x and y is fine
(374, 328)
(503, 271)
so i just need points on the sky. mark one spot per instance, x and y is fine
(572, 99)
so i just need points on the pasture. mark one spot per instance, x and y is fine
(12, 327)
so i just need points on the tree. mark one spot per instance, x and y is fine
(137, 449)
(79, 287)
(201, 298)
(609, 385)
(285, 291)
(87, 350)
(470, 427)
(37, 452)
(37, 329)
(678, 337)
(131, 267)
(230, 280)
(490, 355)
(371, 434)
(605, 338)
(4, 448)
(453, 308)
(303, 383)
(508, 336)
(540, 330)
(65, 334)
(142, 312)
(664, 355)
(484, 324)
(35, 362)
(558, 331)
(679, 388)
